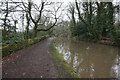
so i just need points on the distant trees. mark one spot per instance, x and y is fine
(32, 17)
(8, 23)
(94, 21)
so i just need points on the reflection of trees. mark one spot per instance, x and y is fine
(89, 59)
(78, 51)
(72, 53)
(101, 56)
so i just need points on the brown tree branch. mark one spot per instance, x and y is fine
(49, 27)
(80, 18)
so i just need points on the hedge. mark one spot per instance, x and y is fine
(10, 48)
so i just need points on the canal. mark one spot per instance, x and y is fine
(89, 60)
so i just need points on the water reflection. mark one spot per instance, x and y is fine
(90, 60)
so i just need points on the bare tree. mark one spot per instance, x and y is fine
(35, 21)
(25, 8)
(55, 17)
(6, 10)
(40, 9)
(71, 10)
(79, 14)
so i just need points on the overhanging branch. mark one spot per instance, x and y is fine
(49, 27)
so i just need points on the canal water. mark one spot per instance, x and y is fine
(89, 60)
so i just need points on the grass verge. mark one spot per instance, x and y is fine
(64, 69)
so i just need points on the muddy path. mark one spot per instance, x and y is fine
(32, 62)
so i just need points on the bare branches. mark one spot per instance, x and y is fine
(43, 21)
(29, 11)
(40, 12)
(54, 13)
(49, 27)
(80, 18)
(46, 14)
(30, 4)
(72, 11)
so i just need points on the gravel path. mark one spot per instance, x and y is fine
(31, 62)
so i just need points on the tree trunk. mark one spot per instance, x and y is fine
(27, 27)
(79, 15)
(35, 31)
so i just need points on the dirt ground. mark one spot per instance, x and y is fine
(32, 62)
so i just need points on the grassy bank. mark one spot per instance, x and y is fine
(64, 70)
(11, 48)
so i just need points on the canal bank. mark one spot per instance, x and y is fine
(63, 68)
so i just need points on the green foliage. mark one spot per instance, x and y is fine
(80, 28)
(13, 38)
(96, 22)
(10, 48)
(84, 32)
(116, 37)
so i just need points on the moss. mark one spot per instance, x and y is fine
(10, 48)
(64, 69)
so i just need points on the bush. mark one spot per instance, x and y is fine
(81, 31)
(12, 38)
(10, 48)
(80, 28)
(116, 38)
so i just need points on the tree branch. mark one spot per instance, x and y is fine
(49, 27)
(80, 18)
(40, 12)
(29, 11)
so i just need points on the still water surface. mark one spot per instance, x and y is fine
(89, 60)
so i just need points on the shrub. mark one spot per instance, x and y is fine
(117, 38)
(80, 28)
(10, 48)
